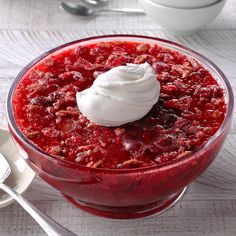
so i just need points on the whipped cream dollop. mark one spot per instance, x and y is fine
(120, 95)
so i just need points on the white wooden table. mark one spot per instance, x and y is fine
(28, 28)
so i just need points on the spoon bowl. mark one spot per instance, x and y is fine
(95, 2)
(76, 9)
(21, 174)
(83, 11)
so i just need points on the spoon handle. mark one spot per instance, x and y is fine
(51, 227)
(123, 10)
(95, 2)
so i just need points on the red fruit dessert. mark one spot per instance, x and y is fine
(140, 167)
(190, 110)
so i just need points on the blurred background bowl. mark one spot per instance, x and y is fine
(186, 3)
(181, 20)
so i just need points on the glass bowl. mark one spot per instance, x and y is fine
(127, 193)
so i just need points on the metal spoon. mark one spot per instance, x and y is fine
(95, 2)
(51, 227)
(84, 11)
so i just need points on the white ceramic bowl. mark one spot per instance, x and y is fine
(181, 20)
(21, 175)
(186, 3)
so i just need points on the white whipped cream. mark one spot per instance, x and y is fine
(120, 95)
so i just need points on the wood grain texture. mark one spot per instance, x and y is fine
(19, 47)
(44, 14)
(28, 28)
(188, 218)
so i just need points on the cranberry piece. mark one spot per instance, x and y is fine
(160, 66)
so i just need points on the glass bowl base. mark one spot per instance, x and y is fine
(128, 212)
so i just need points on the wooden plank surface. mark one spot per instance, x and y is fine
(45, 14)
(29, 28)
(188, 218)
(19, 47)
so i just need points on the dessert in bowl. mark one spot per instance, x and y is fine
(126, 169)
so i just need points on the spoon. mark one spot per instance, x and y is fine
(84, 11)
(51, 227)
(95, 2)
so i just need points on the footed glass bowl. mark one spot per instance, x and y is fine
(123, 193)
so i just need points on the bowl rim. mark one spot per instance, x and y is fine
(228, 89)
(184, 8)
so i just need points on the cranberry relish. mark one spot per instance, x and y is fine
(190, 110)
